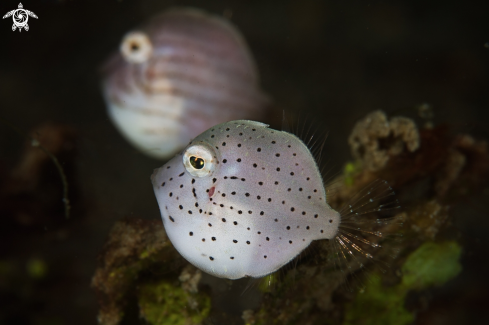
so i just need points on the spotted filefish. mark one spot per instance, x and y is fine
(243, 200)
(176, 76)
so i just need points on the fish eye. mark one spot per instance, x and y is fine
(196, 162)
(199, 160)
(136, 47)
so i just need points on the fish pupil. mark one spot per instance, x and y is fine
(196, 162)
(134, 47)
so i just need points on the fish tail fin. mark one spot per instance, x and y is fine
(369, 222)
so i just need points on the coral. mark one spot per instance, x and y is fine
(374, 139)
(427, 218)
(166, 304)
(190, 278)
(249, 317)
(132, 247)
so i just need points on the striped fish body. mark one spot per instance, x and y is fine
(177, 76)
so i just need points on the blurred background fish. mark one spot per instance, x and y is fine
(178, 75)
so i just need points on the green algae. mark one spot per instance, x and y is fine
(268, 282)
(432, 264)
(167, 304)
(350, 170)
(36, 268)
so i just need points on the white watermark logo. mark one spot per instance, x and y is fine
(20, 17)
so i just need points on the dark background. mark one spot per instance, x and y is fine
(334, 61)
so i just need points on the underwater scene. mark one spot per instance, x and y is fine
(229, 162)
